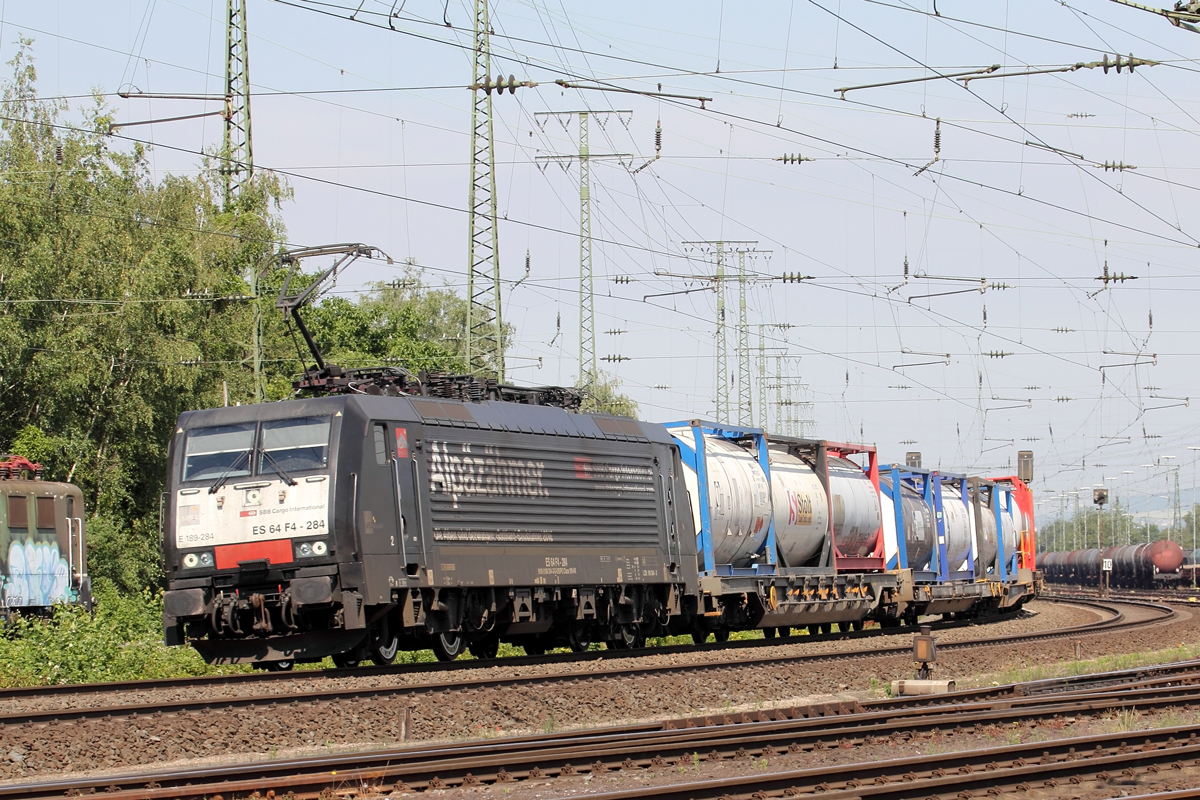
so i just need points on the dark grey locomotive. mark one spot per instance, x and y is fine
(357, 525)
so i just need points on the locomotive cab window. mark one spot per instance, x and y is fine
(381, 453)
(218, 450)
(295, 445)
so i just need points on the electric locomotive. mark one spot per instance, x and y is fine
(404, 512)
(43, 549)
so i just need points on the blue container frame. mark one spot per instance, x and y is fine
(695, 458)
(931, 492)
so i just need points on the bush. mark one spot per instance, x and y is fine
(121, 641)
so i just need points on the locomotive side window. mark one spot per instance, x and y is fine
(215, 451)
(45, 512)
(381, 453)
(296, 445)
(18, 511)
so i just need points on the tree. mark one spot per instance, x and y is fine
(405, 323)
(602, 395)
(114, 309)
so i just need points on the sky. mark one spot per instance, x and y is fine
(949, 305)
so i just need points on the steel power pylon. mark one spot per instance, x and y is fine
(764, 414)
(237, 145)
(237, 161)
(718, 250)
(485, 323)
(587, 314)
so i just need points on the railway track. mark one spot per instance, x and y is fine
(1116, 621)
(437, 667)
(1188, 595)
(660, 749)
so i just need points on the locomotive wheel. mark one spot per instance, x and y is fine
(579, 640)
(345, 660)
(485, 648)
(281, 666)
(699, 637)
(447, 646)
(384, 653)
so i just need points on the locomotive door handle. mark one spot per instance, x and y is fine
(71, 548)
(79, 543)
(399, 511)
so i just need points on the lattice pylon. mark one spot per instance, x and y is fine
(722, 354)
(587, 309)
(745, 388)
(237, 164)
(485, 328)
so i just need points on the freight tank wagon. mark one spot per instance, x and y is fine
(355, 526)
(43, 549)
(941, 528)
(1139, 566)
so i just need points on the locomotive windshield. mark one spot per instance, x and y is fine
(218, 450)
(298, 444)
(295, 445)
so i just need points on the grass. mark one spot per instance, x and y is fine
(1065, 669)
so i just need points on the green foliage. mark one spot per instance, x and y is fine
(127, 556)
(104, 337)
(122, 641)
(33, 443)
(405, 323)
(602, 395)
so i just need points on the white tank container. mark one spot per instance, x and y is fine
(960, 530)
(739, 500)
(920, 532)
(856, 514)
(801, 509)
(1009, 529)
(984, 538)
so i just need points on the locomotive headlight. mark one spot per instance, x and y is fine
(306, 549)
(191, 560)
(206, 559)
(320, 548)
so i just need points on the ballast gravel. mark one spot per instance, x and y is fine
(265, 730)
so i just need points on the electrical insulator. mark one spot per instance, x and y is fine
(622, 279)
(793, 158)
(58, 155)
(499, 85)
(906, 268)
(658, 137)
(937, 138)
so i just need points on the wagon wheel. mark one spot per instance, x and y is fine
(485, 648)
(384, 653)
(447, 646)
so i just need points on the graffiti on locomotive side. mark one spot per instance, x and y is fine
(463, 474)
